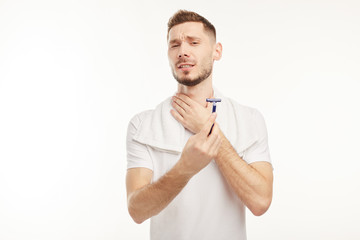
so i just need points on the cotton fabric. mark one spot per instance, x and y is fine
(207, 207)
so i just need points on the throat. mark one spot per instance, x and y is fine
(198, 93)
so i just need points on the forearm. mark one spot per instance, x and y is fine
(254, 189)
(153, 198)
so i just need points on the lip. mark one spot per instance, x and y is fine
(191, 65)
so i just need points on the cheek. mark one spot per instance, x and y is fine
(207, 60)
(171, 54)
(206, 54)
(170, 59)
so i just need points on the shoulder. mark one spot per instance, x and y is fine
(249, 119)
(157, 128)
(148, 115)
(138, 118)
(245, 111)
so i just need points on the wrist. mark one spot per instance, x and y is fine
(223, 146)
(183, 170)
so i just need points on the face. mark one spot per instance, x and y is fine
(191, 53)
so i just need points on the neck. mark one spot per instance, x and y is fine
(198, 93)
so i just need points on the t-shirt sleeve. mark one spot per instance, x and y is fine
(259, 151)
(137, 153)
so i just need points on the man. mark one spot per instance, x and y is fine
(194, 184)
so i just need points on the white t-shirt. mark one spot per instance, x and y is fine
(207, 208)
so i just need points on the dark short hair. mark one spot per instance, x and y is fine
(183, 16)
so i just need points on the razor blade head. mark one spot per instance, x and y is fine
(213, 100)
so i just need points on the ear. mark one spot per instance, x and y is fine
(218, 51)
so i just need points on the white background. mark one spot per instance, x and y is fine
(73, 73)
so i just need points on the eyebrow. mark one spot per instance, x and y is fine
(191, 38)
(174, 41)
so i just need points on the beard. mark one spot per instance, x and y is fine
(187, 81)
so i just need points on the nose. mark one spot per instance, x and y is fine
(183, 55)
(183, 51)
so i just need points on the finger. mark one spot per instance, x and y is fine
(185, 99)
(214, 140)
(211, 140)
(177, 116)
(179, 109)
(180, 103)
(214, 134)
(207, 126)
(209, 106)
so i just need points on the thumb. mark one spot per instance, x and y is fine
(207, 126)
(209, 106)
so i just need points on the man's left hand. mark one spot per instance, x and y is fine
(189, 113)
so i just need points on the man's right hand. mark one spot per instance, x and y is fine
(201, 148)
(146, 199)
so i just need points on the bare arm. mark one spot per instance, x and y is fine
(147, 199)
(251, 182)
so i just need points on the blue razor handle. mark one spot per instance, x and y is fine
(214, 101)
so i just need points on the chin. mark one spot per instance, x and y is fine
(189, 82)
